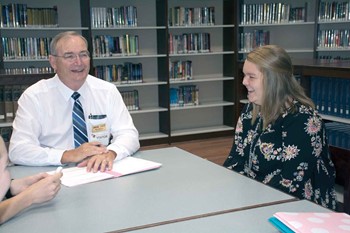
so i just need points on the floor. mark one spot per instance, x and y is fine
(213, 149)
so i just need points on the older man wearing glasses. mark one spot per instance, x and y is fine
(72, 117)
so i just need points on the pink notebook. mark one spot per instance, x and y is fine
(312, 222)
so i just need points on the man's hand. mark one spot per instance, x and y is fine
(101, 162)
(83, 152)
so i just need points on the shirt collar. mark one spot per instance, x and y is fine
(66, 92)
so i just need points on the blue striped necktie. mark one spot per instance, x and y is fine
(79, 125)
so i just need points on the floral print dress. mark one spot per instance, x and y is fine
(291, 154)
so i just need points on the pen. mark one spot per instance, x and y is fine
(59, 169)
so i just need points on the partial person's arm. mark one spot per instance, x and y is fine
(38, 192)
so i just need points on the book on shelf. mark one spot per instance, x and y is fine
(251, 40)
(298, 222)
(17, 91)
(333, 11)
(272, 13)
(26, 48)
(190, 16)
(338, 134)
(9, 95)
(331, 96)
(106, 17)
(334, 38)
(29, 70)
(184, 95)
(107, 46)
(131, 99)
(330, 58)
(188, 43)
(21, 15)
(121, 73)
(2, 103)
(180, 70)
(9, 111)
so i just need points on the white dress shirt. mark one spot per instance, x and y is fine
(42, 129)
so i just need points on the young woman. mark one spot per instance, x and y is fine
(279, 139)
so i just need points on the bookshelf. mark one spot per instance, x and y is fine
(271, 22)
(149, 28)
(333, 21)
(156, 120)
(213, 73)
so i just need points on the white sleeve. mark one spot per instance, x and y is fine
(125, 140)
(25, 147)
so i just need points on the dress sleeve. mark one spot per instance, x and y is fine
(236, 155)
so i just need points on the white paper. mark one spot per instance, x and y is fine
(78, 175)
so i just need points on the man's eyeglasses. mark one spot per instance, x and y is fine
(70, 57)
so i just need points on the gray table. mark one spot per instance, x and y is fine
(186, 186)
(252, 220)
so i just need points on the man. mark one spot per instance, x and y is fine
(44, 132)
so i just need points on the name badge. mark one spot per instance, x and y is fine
(99, 129)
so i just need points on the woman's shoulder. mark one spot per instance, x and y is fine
(303, 110)
(303, 113)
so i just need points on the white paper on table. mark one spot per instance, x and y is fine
(78, 175)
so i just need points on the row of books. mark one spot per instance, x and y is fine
(331, 95)
(251, 40)
(334, 38)
(188, 16)
(186, 95)
(332, 11)
(122, 73)
(20, 15)
(105, 17)
(29, 70)
(25, 48)
(106, 46)
(180, 70)
(131, 99)
(338, 134)
(9, 95)
(189, 43)
(328, 58)
(269, 13)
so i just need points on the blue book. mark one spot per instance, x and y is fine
(336, 96)
(347, 98)
(280, 225)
